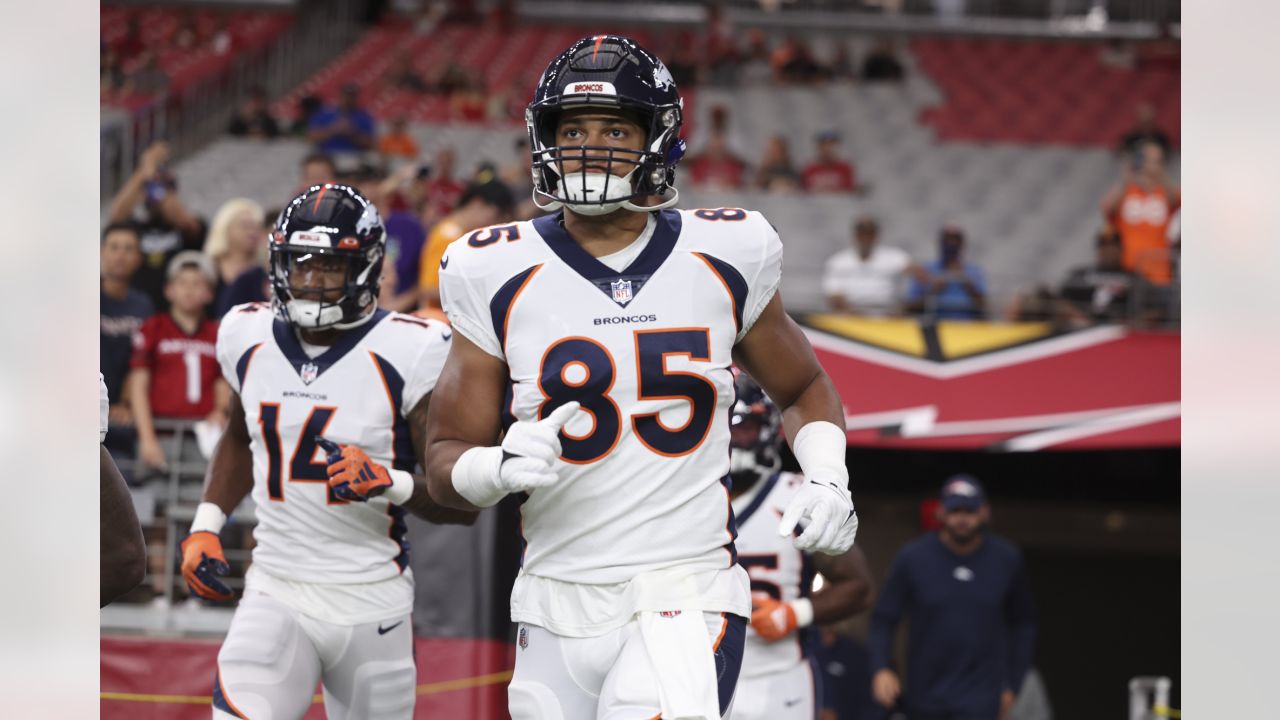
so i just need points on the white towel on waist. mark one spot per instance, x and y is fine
(683, 663)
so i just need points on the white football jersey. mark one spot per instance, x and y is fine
(647, 351)
(776, 568)
(358, 392)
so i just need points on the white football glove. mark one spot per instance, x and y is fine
(525, 460)
(827, 507)
(530, 450)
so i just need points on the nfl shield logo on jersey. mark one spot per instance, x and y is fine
(621, 291)
(524, 637)
(309, 373)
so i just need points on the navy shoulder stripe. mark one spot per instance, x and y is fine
(733, 283)
(242, 365)
(403, 456)
(500, 305)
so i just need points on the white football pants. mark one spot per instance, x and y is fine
(609, 677)
(273, 656)
(786, 695)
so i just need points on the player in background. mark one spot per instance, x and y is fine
(601, 339)
(779, 679)
(122, 554)
(326, 389)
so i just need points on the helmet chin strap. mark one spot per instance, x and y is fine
(670, 197)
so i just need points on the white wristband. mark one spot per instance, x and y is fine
(209, 518)
(803, 609)
(819, 447)
(475, 476)
(401, 487)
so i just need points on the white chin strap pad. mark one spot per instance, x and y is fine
(586, 192)
(310, 314)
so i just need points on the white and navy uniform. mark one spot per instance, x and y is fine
(329, 593)
(779, 680)
(640, 519)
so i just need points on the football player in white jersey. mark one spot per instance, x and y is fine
(326, 390)
(600, 339)
(779, 680)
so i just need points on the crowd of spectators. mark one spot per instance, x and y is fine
(719, 163)
(718, 55)
(130, 61)
(167, 275)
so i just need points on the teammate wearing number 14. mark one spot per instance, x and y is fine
(601, 340)
(322, 431)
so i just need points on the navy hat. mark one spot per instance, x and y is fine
(962, 492)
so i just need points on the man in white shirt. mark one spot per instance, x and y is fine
(863, 279)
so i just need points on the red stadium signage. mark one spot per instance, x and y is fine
(1101, 388)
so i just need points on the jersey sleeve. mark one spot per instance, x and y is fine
(104, 408)
(766, 275)
(426, 368)
(464, 300)
(233, 338)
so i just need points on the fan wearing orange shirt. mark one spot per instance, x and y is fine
(1139, 206)
(480, 205)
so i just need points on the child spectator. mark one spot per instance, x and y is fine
(174, 369)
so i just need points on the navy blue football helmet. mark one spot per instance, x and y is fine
(329, 228)
(755, 433)
(609, 72)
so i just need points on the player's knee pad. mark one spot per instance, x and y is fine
(532, 701)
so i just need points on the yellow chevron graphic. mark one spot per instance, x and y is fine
(956, 338)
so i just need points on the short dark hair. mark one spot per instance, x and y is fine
(493, 192)
(868, 224)
(319, 157)
(125, 225)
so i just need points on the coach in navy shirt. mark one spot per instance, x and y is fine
(972, 619)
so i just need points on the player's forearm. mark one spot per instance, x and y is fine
(123, 203)
(122, 551)
(817, 402)
(443, 456)
(230, 475)
(839, 600)
(140, 399)
(424, 506)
